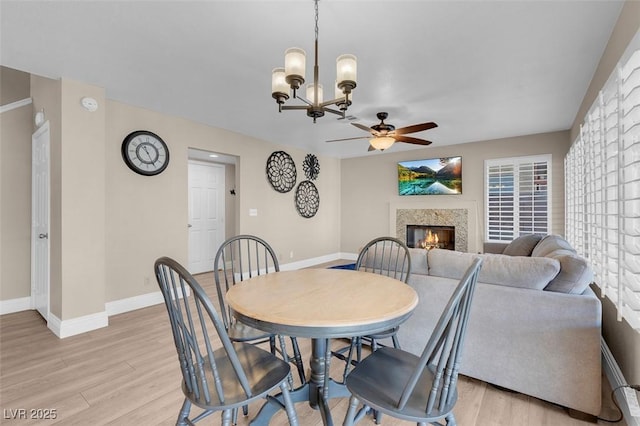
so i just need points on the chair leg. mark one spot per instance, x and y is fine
(272, 344)
(347, 364)
(351, 412)
(298, 360)
(285, 357)
(183, 417)
(288, 405)
(451, 420)
(396, 342)
(226, 417)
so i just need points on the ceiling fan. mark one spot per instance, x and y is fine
(384, 135)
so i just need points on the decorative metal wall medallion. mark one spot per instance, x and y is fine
(281, 171)
(311, 167)
(307, 199)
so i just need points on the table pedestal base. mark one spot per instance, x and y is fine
(317, 391)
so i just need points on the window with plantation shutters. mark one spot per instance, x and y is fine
(602, 178)
(517, 197)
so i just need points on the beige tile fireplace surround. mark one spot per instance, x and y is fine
(463, 215)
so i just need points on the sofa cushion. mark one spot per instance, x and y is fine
(523, 245)
(449, 263)
(499, 269)
(551, 243)
(419, 263)
(575, 273)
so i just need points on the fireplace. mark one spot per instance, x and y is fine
(427, 236)
(463, 215)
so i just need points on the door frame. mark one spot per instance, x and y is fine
(222, 204)
(36, 138)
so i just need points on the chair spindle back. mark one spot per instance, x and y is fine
(240, 258)
(443, 351)
(192, 318)
(386, 256)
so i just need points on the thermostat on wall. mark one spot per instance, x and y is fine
(89, 104)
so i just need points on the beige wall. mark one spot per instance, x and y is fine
(109, 224)
(146, 217)
(623, 340)
(15, 152)
(82, 200)
(370, 184)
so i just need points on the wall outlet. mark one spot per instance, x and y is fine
(291, 254)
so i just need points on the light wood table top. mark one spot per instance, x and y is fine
(324, 303)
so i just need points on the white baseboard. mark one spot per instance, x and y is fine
(616, 378)
(79, 325)
(132, 303)
(86, 323)
(307, 263)
(15, 305)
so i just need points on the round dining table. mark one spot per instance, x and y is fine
(320, 304)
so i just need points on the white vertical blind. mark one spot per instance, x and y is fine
(518, 199)
(602, 182)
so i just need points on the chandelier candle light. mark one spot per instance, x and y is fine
(291, 78)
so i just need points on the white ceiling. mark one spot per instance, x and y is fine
(480, 69)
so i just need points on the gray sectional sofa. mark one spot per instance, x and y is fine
(535, 324)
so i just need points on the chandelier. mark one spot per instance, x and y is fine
(291, 78)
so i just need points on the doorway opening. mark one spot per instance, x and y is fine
(211, 205)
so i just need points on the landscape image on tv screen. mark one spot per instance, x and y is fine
(435, 176)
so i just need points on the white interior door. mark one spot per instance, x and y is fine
(206, 214)
(40, 177)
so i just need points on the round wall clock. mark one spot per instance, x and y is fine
(145, 153)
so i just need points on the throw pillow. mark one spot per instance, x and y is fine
(549, 244)
(574, 276)
(523, 245)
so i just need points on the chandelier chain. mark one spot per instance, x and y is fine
(316, 9)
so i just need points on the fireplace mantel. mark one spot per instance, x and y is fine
(461, 214)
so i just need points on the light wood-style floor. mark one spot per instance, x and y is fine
(127, 374)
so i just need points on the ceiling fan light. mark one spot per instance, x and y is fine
(279, 86)
(311, 93)
(382, 142)
(294, 66)
(346, 72)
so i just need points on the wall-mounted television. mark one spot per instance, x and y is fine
(433, 176)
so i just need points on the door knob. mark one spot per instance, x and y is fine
(190, 225)
(43, 236)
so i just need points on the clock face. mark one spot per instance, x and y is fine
(145, 153)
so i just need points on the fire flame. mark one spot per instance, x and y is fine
(430, 241)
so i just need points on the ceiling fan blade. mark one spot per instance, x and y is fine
(363, 127)
(409, 139)
(415, 128)
(348, 139)
(366, 129)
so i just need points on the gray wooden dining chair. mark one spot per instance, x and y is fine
(384, 256)
(222, 379)
(417, 389)
(240, 258)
